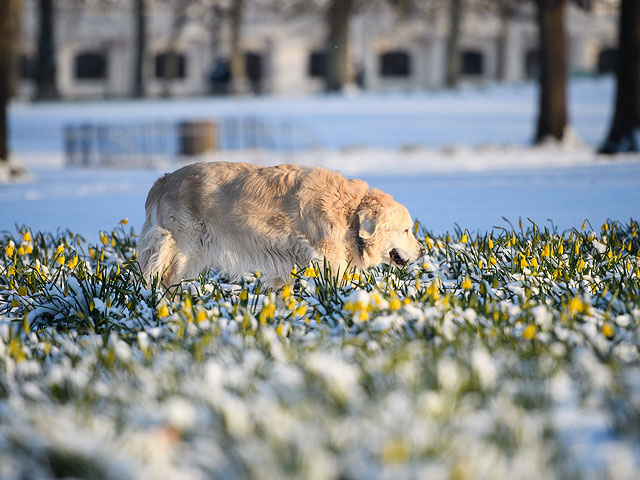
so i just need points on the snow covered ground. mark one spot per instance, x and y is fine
(456, 158)
(470, 116)
(451, 157)
(441, 190)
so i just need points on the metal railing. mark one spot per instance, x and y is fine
(146, 144)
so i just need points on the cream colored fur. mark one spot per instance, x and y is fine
(239, 218)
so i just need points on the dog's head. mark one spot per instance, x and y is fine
(385, 231)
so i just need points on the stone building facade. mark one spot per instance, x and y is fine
(284, 56)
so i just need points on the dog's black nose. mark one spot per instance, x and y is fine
(422, 251)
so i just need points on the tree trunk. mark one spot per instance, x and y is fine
(171, 60)
(46, 88)
(338, 71)
(140, 35)
(552, 113)
(10, 14)
(626, 118)
(452, 67)
(506, 17)
(239, 83)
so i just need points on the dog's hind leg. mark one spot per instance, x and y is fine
(159, 255)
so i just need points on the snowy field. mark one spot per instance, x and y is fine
(467, 117)
(453, 192)
(513, 354)
(451, 157)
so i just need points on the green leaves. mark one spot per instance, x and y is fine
(478, 347)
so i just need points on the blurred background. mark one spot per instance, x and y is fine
(114, 49)
(88, 49)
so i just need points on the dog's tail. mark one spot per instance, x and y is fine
(157, 251)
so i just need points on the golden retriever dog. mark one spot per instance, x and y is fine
(239, 218)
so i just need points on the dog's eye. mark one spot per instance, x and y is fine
(406, 231)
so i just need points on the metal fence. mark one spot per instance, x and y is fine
(110, 145)
(146, 144)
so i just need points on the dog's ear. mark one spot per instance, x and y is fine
(367, 222)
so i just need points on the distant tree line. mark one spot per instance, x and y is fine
(9, 40)
(550, 19)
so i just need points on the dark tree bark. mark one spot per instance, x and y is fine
(9, 32)
(506, 12)
(552, 113)
(452, 59)
(239, 82)
(46, 85)
(140, 35)
(626, 118)
(338, 72)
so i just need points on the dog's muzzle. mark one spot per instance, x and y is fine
(397, 258)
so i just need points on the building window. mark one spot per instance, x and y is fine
(253, 66)
(532, 63)
(317, 65)
(472, 63)
(253, 69)
(607, 60)
(91, 66)
(27, 67)
(395, 64)
(170, 65)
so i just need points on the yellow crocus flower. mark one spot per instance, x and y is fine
(394, 303)
(530, 332)
(310, 272)
(163, 311)
(575, 305)
(267, 313)
(73, 262)
(523, 262)
(428, 242)
(432, 290)
(546, 251)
